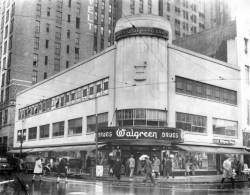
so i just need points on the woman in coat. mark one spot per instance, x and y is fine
(148, 170)
(38, 169)
(156, 166)
(117, 168)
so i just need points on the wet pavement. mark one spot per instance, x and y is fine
(48, 186)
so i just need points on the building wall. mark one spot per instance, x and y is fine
(80, 75)
(125, 92)
(212, 42)
(203, 69)
(243, 58)
(97, 23)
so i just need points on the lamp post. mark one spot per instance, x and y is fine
(21, 135)
(96, 129)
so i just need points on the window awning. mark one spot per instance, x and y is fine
(211, 149)
(15, 151)
(58, 149)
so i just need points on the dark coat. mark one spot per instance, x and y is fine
(169, 164)
(148, 166)
(117, 167)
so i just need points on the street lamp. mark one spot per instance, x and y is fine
(21, 135)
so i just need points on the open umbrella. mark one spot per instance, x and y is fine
(143, 157)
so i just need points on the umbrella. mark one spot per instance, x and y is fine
(143, 157)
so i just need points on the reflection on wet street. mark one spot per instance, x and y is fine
(76, 187)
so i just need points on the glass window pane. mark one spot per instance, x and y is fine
(32, 133)
(44, 131)
(58, 129)
(75, 126)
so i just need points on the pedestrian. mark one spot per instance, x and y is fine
(117, 168)
(111, 166)
(228, 171)
(169, 167)
(62, 169)
(187, 168)
(21, 165)
(38, 169)
(148, 170)
(192, 168)
(164, 165)
(156, 166)
(131, 164)
(88, 164)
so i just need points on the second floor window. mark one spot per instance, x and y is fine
(191, 122)
(58, 129)
(225, 127)
(102, 121)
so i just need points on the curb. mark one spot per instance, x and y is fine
(7, 181)
(139, 180)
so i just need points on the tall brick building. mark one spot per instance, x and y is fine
(42, 37)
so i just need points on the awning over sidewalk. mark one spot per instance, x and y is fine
(58, 149)
(211, 149)
(15, 151)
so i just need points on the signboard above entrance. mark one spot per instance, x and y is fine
(142, 31)
(171, 135)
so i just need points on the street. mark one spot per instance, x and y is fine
(48, 186)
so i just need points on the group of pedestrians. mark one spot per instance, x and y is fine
(60, 167)
(231, 168)
(150, 169)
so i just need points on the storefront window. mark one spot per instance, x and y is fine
(191, 122)
(44, 131)
(75, 126)
(141, 117)
(195, 160)
(58, 129)
(225, 127)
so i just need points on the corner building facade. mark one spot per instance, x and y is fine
(137, 88)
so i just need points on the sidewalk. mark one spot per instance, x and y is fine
(176, 180)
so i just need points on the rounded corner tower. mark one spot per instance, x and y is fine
(143, 25)
(141, 61)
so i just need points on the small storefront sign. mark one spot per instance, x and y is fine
(135, 133)
(99, 170)
(224, 141)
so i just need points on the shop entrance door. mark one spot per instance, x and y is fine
(137, 152)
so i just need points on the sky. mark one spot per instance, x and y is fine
(240, 7)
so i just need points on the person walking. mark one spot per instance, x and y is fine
(117, 168)
(131, 164)
(156, 166)
(148, 171)
(38, 169)
(227, 171)
(164, 166)
(169, 167)
(62, 169)
(187, 167)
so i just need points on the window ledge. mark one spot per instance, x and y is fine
(43, 138)
(224, 136)
(59, 136)
(32, 139)
(73, 135)
(195, 133)
(90, 133)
